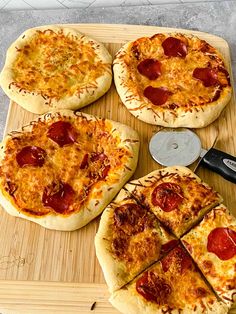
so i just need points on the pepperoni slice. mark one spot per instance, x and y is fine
(200, 292)
(157, 95)
(101, 157)
(167, 196)
(58, 196)
(98, 156)
(31, 156)
(151, 68)
(177, 257)
(168, 246)
(174, 47)
(105, 171)
(222, 242)
(95, 157)
(208, 76)
(153, 288)
(84, 163)
(62, 133)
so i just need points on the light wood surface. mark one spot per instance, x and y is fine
(43, 271)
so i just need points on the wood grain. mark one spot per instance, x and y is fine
(50, 297)
(45, 271)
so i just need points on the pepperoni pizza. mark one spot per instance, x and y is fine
(64, 168)
(133, 234)
(55, 67)
(129, 239)
(172, 285)
(176, 196)
(173, 80)
(212, 244)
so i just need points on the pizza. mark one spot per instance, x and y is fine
(62, 169)
(129, 239)
(152, 263)
(172, 285)
(55, 67)
(177, 197)
(212, 244)
(172, 80)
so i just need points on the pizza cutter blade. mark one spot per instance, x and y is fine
(170, 147)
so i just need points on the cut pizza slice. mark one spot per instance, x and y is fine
(63, 169)
(176, 196)
(129, 239)
(212, 244)
(172, 285)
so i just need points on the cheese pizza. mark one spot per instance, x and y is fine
(129, 239)
(172, 80)
(55, 67)
(63, 169)
(177, 197)
(172, 285)
(212, 244)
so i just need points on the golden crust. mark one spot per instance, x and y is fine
(55, 67)
(219, 273)
(197, 197)
(123, 252)
(64, 163)
(191, 104)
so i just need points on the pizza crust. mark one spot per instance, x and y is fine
(142, 108)
(129, 139)
(34, 101)
(113, 271)
(127, 300)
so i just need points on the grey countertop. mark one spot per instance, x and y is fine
(218, 18)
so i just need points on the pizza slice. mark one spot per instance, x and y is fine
(129, 239)
(172, 285)
(63, 169)
(176, 196)
(55, 67)
(212, 244)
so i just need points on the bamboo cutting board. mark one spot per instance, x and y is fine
(42, 271)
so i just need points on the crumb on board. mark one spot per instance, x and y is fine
(93, 306)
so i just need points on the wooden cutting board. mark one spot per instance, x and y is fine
(42, 271)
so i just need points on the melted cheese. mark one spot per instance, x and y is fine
(186, 91)
(198, 198)
(220, 273)
(57, 65)
(138, 242)
(186, 289)
(62, 164)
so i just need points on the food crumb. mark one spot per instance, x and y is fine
(93, 306)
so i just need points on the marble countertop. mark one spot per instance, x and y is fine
(218, 18)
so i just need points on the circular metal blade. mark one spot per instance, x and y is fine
(176, 147)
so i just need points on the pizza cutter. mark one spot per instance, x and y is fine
(170, 147)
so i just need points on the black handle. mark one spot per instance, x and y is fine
(220, 162)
